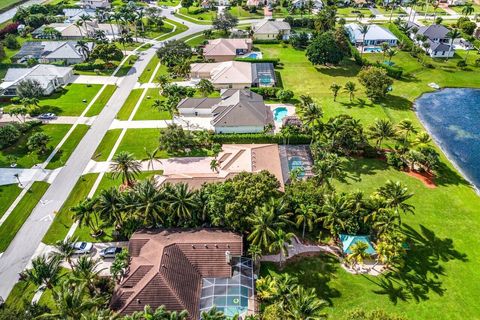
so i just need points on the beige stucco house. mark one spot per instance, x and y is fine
(220, 50)
(271, 30)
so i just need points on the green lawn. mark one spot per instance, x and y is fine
(459, 9)
(147, 112)
(347, 12)
(67, 148)
(439, 11)
(101, 101)
(26, 159)
(147, 73)
(442, 270)
(241, 13)
(386, 11)
(170, 3)
(126, 66)
(151, 33)
(203, 17)
(129, 104)
(8, 194)
(21, 294)
(103, 149)
(179, 29)
(5, 4)
(15, 220)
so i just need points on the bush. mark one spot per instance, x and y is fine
(9, 134)
(261, 41)
(89, 66)
(274, 61)
(461, 64)
(9, 28)
(284, 95)
(402, 37)
(11, 42)
(259, 138)
(266, 92)
(395, 160)
(196, 11)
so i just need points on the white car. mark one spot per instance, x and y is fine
(110, 252)
(82, 247)
(47, 116)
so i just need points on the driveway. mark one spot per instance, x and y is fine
(84, 79)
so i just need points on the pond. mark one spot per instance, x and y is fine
(452, 118)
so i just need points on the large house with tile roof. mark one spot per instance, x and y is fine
(271, 30)
(52, 51)
(219, 50)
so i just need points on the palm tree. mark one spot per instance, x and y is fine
(359, 253)
(380, 130)
(79, 24)
(163, 81)
(125, 165)
(65, 250)
(390, 54)
(83, 19)
(335, 88)
(213, 314)
(452, 35)
(71, 301)
(109, 17)
(148, 202)
(169, 105)
(304, 304)
(45, 271)
(306, 216)
(84, 212)
(423, 138)
(363, 29)
(205, 87)
(87, 270)
(467, 9)
(350, 88)
(161, 313)
(311, 114)
(82, 47)
(214, 165)
(151, 157)
(280, 242)
(435, 6)
(182, 201)
(395, 195)
(266, 219)
(111, 207)
(256, 253)
(335, 209)
(406, 127)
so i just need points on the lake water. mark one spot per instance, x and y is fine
(452, 116)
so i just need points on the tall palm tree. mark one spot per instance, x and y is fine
(467, 9)
(256, 253)
(111, 207)
(65, 250)
(380, 130)
(335, 210)
(182, 201)
(423, 139)
(84, 18)
(452, 35)
(359, 253)
(390, 54)
(124, 165)
(335, 88)
(311, 114)
(265, 220)
(406, 127)
(363, 29)
(280, 243)
(84, 212)
(306, 216)
(169, 105)
(151, 157)
(395, 195)
(83, 48)
(148, 203)
(350, 88)
(304, 304)
(205, 87)
(79, 25)
(45, 271)
(87, 270)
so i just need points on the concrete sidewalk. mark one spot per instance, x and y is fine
(104, 166)
(7, 175)
(5, 118)
(85, 79)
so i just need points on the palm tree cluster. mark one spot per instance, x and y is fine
(286, 299)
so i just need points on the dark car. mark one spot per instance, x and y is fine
(110, 252)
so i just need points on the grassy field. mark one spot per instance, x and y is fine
(26, 159)
(155, 33)
(241, 13)
(147, 73)
(441, 272)
(147, 112)
(129, 104)
(103, 149)
(169, 3)
(101, 101)
(15, 220)
(126, 66)
(179, 29)
(8, 194)
(459, 9)
(5, 4)
(21, 294)
(203, 16)
(347, 12)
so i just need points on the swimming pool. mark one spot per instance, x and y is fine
(279, 113)
(372, 49)
(254, 55)
(265, 80)
(296, 163)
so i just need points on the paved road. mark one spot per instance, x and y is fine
(23, 246)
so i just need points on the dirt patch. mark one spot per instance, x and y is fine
(427, 179)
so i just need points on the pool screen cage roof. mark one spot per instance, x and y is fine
(230, 295)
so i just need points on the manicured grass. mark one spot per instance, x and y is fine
(459, 9)
(126, 66)
(67, 148)
(15, 220)
(109, 139)
(147, 112)
(8, 4)
(241, 13)
(386, 11)
(347, 12)
(129, 104)
(9, 53)
(198, 38)
(21, 294)
(69, 102)
(147, 73)
(169, 3)
(437, 277)
(63, 219)
(439, 11)
(179, 29)
(101, 101)
(151, 33)
(204, 16)
(26, 159)
(8, 194)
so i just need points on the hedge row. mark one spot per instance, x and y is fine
(401, 36)
(260, 138)
(393, 72)
(266, 92)
(266, 41)
(89, 66)
(274, 61)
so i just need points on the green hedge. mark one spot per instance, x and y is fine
(274, 61)
(266, 41)
(260, 138)
(401, 36)
(266, 92)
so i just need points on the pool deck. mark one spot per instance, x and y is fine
(290, 112)
(300, 151)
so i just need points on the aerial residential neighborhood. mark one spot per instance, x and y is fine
(253, 160)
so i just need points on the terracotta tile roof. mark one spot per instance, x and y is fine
(167, 267)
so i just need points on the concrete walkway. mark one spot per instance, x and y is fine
(85, 79)
(104, 166)
(25, 176)
(58, 120)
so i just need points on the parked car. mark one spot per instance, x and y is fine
(110, 252)
(82, 247)
(47, 116)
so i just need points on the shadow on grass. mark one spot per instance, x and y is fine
(420, 274)
(312, 272)
(355, 168)
(396, 102)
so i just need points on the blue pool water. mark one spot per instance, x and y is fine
(279, 113)
(452, 118)
(296, 162)
(372, 49)
(252, 55)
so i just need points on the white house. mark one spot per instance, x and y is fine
(236, 111)
(375, 35)
(74, 14)
(436, 35)
(52, 51)
(316, 4)
(50, 78)
(95, 4)
(271, 30)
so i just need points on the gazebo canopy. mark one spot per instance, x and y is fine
(349, 240)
